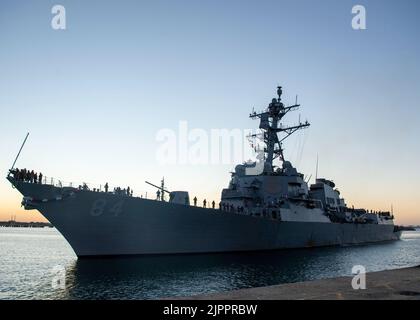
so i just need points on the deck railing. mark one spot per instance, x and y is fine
(51, 181)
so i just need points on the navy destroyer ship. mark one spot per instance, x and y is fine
(268, 205)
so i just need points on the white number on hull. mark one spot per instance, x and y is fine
(116, 209)
(98, 208)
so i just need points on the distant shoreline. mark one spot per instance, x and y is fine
(408, 228)
(17, 224)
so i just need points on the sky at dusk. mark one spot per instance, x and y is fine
(95, 95)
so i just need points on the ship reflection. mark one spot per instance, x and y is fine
(146, 277)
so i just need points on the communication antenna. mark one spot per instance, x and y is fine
(20, 150)
(162, 186)
(316, 172)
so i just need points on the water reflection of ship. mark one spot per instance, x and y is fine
(147, 277)
(144, 277)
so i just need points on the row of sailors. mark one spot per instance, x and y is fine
(123, 192)
(118, 191)
(213, 204)
(366, 211)
(222, 206)
(26, 175)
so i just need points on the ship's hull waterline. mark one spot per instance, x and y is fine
(105, 224)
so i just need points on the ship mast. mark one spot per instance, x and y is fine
(271, 126)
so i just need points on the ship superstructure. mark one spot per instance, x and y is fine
(267, 205)
(280, 191)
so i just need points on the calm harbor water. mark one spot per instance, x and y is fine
(30, 258)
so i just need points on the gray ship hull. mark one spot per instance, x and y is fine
(105, 224)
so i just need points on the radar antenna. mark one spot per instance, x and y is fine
(271, 126)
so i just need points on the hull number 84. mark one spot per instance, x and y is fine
(100, 207)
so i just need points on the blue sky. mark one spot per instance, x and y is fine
(94, 95)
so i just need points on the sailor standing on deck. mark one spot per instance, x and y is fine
(15, 174)
(158, 195)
